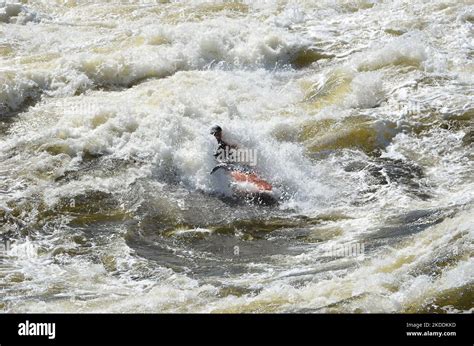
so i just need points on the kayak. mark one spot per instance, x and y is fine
(252, 178)
(246, 183)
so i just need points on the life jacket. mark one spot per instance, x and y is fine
(223, 149)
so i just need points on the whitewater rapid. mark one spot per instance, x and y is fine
(360, 113)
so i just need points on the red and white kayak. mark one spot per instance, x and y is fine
(252, 179)
(248, 184)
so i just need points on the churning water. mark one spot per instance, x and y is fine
(361, 113)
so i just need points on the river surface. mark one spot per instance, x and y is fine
(360, 112)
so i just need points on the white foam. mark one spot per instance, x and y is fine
(16, 13)
(228, 67)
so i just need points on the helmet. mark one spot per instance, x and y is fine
(216, 129)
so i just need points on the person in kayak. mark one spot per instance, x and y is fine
(223, 148)
(238, 172)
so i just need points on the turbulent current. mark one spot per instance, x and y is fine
(360, 113)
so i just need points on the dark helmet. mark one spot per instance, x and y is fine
(215, 129)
